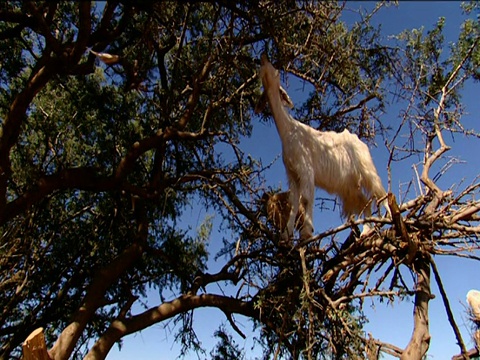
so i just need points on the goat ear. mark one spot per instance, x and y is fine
(261, 103)
(286, 101)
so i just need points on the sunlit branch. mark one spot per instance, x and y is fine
(122, 327)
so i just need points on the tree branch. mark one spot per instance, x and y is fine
(152, 142)
(12, 125)
(195, 95)
(120, 328)
(88, 178)
(102, 36)
(84, 178)
(448, 309)
(401, 229)
(430, 159)
(95, 293)
(84, 29)
(43, 28)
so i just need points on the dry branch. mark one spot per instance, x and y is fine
(448, 309)
(167, 310)
(34, 347)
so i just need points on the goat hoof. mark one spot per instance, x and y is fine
(366, 231)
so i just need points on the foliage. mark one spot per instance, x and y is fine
(226, 348)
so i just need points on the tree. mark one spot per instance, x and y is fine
(117, 117)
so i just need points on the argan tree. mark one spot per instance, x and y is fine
(119, 117)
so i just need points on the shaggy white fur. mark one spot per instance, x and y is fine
(473, 299)
(339, 163)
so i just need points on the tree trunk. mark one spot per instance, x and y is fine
(420, 340)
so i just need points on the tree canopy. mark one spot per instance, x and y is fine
(119, 117)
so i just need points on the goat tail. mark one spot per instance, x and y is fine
(372, 183)
(379, 193)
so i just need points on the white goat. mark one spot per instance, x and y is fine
(339, 163)
(473, 299)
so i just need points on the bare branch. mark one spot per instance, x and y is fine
(122, 327)
(448, 309)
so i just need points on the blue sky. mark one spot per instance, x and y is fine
(389, 322)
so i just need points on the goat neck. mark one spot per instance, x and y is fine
(271, 83)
